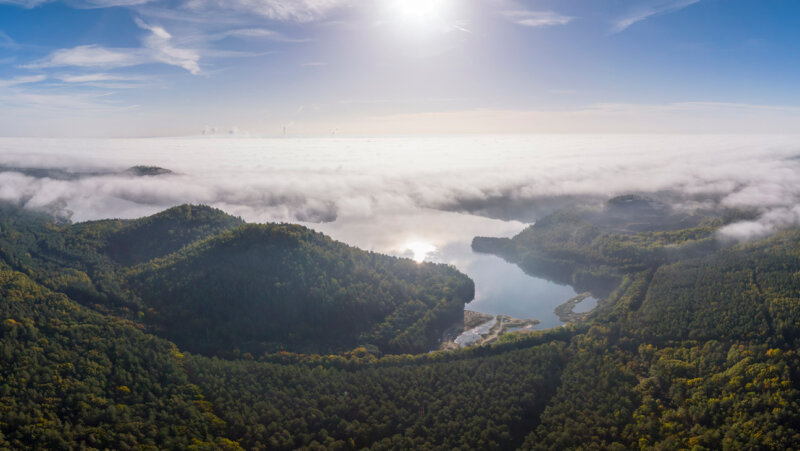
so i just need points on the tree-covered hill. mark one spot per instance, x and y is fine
(217, 285)
(72, 378)
(593, 248)
(270, 287)
(694, 348)
(85, 260)
(141, 240)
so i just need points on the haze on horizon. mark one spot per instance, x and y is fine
(438, 186)
(141, 68)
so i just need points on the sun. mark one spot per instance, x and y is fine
(417, 8)
(418, 11)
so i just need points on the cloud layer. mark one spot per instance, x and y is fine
(360, 180)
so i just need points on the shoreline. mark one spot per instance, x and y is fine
(565, 311)
(472, 320)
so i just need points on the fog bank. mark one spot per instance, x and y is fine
(351, 180)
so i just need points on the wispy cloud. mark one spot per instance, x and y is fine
(280, 10)
(161, 49)
(22, 97)
(537, 18)
(649, 9)
(253, 33)
(157, 48)
(97, 77)
(21, 80)
(61, 102)
(6, 41)
(110, 3)
(103, 80)
(76, 3)
(23, 3)
(90, 56)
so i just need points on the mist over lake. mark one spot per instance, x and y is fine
(420, 197)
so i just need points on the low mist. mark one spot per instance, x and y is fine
(348, 181)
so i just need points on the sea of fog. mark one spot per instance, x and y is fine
(419, 197)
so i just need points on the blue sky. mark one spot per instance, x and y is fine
(317, 67)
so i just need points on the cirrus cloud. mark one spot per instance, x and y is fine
(157, 48)
(279, 10)
(529, 18)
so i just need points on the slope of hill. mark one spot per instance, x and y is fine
(693, 346)
(144, 239)
(70, 377)
(593, 249)
(216, 285)
(272, 287)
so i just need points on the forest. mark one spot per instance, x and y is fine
(217, 286)
(193, 330)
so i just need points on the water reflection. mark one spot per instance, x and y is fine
(586, 305)
(501, 288)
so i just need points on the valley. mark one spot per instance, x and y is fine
(685, 322)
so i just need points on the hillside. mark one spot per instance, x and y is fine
(141, 240)
(70, 377)
(593, 248)
(216, 285)
(271, 287)
(693, 345)
(86, 260)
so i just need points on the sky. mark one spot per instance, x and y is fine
(149, 68)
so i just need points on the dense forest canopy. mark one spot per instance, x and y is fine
(108, 345)
(218, 286)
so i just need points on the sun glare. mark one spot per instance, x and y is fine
(418, 11)
(420, 249)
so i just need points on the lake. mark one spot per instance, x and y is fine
(501, 288)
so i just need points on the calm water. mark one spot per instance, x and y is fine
(586, 305)
(500, 287)
(504, 289)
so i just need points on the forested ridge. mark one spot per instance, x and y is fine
(287, 287)
(218, 286)
(693, 346)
